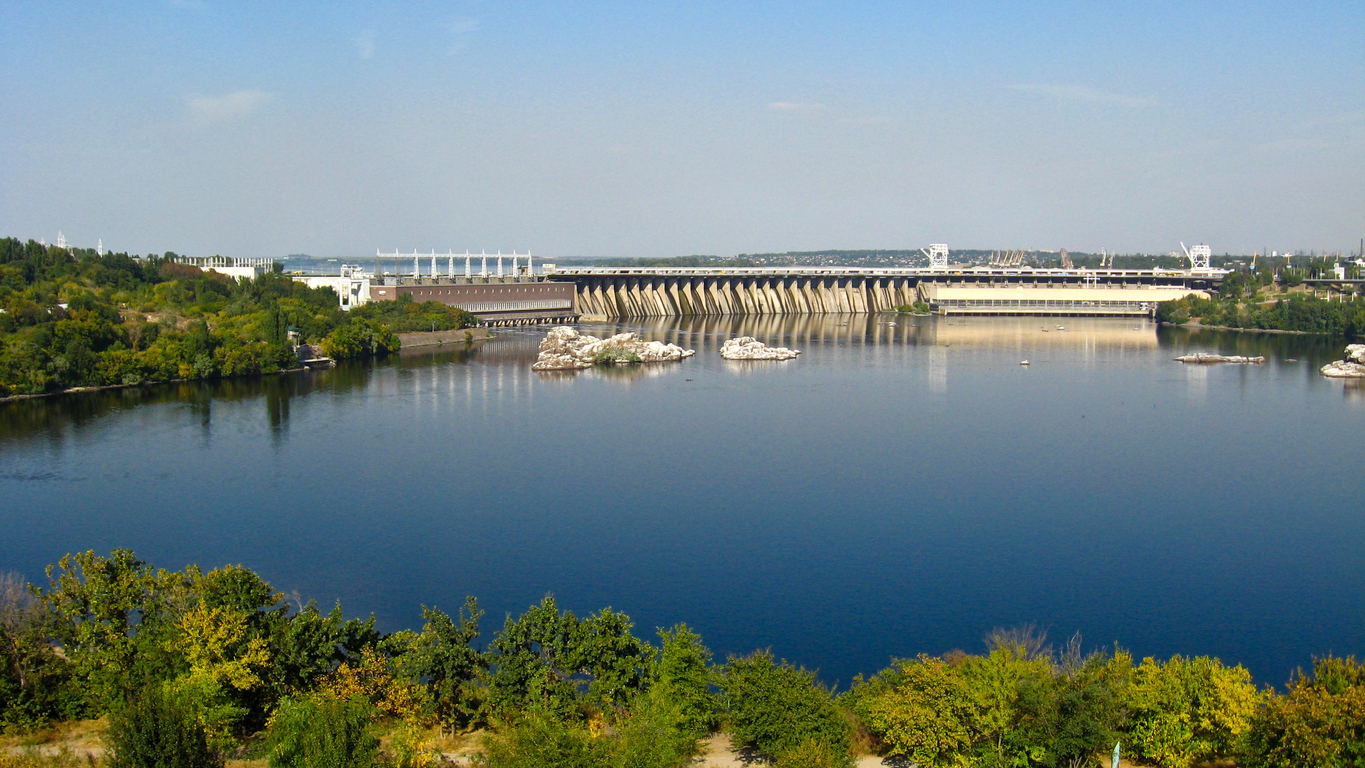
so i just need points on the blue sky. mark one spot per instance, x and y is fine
(658, 129)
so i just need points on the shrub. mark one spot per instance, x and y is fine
(778, 707)
(615, 355)
(653, 734)
(1320, 722)
(325, 732)
(157, 730)
(813, 753)
(543, 742)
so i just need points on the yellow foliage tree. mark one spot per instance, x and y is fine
(375, 679)
(224, 662)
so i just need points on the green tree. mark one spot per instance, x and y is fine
(683, 679)
(544, 658)
(444, 655)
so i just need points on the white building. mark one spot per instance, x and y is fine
(352, 285)
(230, 266)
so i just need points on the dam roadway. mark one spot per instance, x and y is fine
(624, 292)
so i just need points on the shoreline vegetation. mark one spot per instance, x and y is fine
(72, 319)
(189, 668)
(1270, 302)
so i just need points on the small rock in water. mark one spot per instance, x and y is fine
(749, 348)
(1204, 357)
(1350, 367)
(565, 348)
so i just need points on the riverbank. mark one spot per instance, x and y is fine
(83, 390)
(438, 338)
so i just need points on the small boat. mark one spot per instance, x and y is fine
(1061, 327)
(1023, 362)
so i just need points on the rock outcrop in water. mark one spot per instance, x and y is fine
(1204, 357)
(565, 348)
(749, 348)
(1351, 367)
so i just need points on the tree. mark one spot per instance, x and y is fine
(1320, 722)
(542, 660)
(682, 679)
(444, 656)
(1188, 711)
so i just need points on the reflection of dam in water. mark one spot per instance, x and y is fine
(864, 329)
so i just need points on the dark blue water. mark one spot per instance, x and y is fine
(895, 490)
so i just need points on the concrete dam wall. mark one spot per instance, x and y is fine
(676, 296)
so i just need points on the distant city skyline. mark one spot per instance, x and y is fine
(653, 130)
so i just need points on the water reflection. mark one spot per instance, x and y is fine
(490, 374)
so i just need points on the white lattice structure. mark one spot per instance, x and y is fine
(450, 257)
(1198, 256)
(938, 256)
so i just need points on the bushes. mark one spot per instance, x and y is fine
(1295, 313)
(644, 736)
(322, 732)
(157, 730)
(1320, 722)
(360, 338)
(776, 708)
(543, 742)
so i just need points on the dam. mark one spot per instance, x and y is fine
(629, 292)
(523, 295)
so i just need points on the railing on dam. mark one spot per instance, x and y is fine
(1102, 275)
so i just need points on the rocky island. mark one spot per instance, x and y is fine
(749, 348)
(565, 349)
(1204, 357)
(1350, 367)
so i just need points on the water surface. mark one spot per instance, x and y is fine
(897, 489)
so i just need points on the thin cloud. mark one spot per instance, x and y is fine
(1292, 145)
(794, 108)
(365, 44)
(232, 106)
(1082, 93)
(460, 29)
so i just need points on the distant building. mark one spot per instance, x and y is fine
(352, 285)
(230, 265)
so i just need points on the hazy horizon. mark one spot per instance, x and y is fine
(655, 130)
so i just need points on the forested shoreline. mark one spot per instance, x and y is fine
(1251, 300)
(189, 667)
(73, 318)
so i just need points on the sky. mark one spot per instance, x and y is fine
(661, 129)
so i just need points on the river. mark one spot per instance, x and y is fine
(896, 490)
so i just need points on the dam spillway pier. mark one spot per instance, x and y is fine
(612, 293)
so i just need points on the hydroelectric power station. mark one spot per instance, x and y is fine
(524, 294)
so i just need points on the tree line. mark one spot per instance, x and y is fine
(74, 318)
(189, 666)
(1296, 312)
